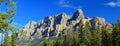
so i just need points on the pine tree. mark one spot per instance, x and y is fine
(82, 44)
(13, 36)
(44, 43)
(14, 40)
(4, 27)
(96, 36)
(6, 17)
(48, 42)
(116, 34)
(68, 38)
(76, 38)
(88, 34)
(106, 36)
(7, 40)
(85, 34)
(60, 40)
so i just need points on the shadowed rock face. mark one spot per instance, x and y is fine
(52, 26)
(78, 15)
(98, 21)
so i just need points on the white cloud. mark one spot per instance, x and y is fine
(17, 24)
(113, 4)
(66, 4)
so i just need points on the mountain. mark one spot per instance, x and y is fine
(52, 26)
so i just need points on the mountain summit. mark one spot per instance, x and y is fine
(78, 15)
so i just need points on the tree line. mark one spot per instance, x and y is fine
(85, 37)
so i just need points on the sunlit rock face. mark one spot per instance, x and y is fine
(52, 26)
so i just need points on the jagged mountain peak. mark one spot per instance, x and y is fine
(79, 11)
(48, 17)
(96, 18)
(78, 15)
(63, 14)
(30, 24)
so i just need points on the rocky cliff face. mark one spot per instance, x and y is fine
(52, 26)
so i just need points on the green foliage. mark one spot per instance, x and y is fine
(82, 44)
(13, 36)
(48, 42)
(76, 38)
(60, 41)
(1, 1)
(96, 34)
(13, 39)
(44, 42)
(3, 22)
(86, 34)
(68, 38)
(7, 40)
(106, 36)
(116, 34)
(6, 18)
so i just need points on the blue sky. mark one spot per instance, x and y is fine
(37, 9)
(0, 37)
